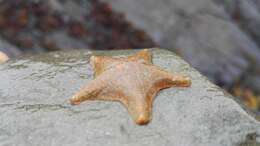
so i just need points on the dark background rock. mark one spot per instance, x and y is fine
(10, 50)
(34, 108)
(200, 31)
(246, 14)
(40, 26)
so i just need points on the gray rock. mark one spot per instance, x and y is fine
(246, 14)
(34, 107)
(9, 49)
(65, 42)
(199, 30)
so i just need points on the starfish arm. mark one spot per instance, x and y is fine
(139, 107)
(180, 80)
(144, 55)
(98, 63)
(102, 63)
(89, 91)
(161, 76)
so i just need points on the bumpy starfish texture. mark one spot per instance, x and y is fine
(132, 80)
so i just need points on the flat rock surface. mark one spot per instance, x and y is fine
(34, 107)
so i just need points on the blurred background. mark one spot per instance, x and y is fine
(220, 38)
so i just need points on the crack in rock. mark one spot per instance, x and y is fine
(38, 107)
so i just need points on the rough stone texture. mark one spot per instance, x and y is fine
(200, 31)
(34, 108)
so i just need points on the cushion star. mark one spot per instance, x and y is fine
(132, 80)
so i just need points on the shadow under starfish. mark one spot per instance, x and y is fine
(132, 80)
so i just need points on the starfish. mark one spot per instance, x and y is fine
(134, 81)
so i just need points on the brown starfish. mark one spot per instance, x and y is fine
(132, 80)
